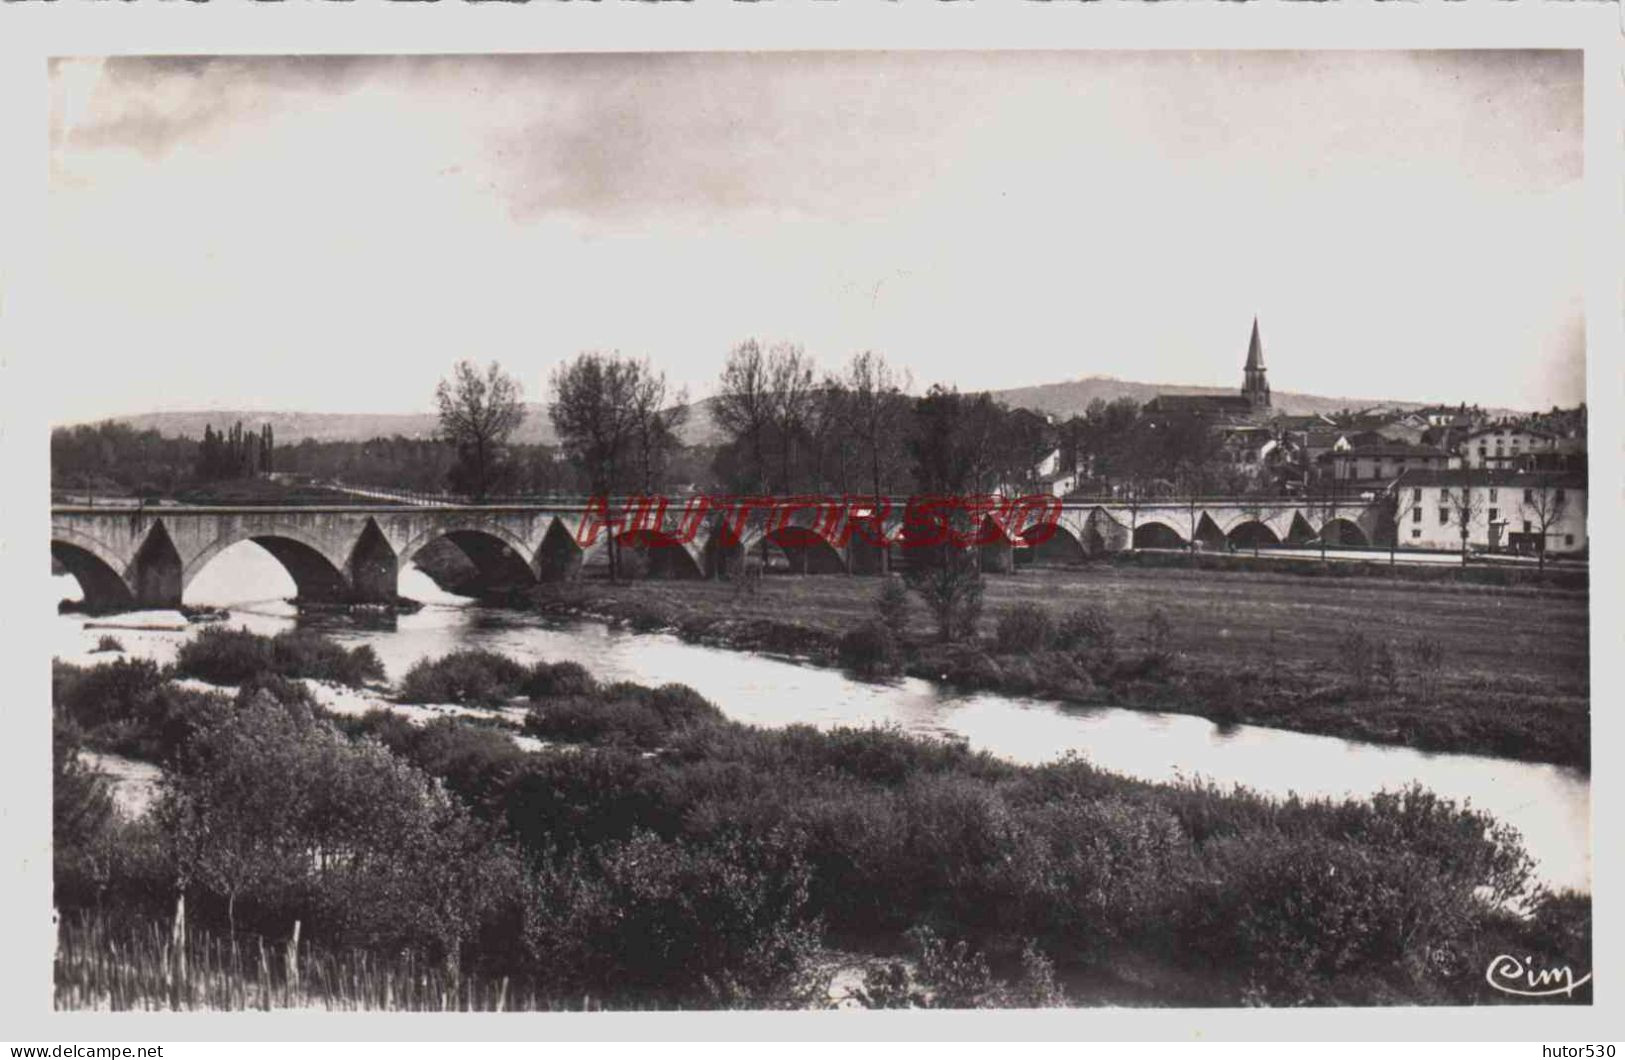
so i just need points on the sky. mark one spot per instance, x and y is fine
(331, 234)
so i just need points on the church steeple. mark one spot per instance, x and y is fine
(1255, 388)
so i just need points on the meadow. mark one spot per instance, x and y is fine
(1429, 662)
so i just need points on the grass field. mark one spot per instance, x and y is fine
(1511, 676)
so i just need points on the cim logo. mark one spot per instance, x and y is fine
(1511, 976)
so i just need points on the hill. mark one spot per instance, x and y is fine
(1071, 398)
(1058, 399)
(292, 428)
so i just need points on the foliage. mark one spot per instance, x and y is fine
(478, 413)
(107, 643)
(1025, 628)
(232, 656)
(951, 590)
(891, 606)
(870, 649)
(472, 678)
(724, 921)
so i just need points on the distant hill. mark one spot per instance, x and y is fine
(1071, 398)
(1058, 399)
(292, 428)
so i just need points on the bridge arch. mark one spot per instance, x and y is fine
(1253, 533)
(806, 551)
(316, 577)
(94, 567)
(499, 556)
(1154, 533)
(1343, 531)
(1063, 547)
(652, 554)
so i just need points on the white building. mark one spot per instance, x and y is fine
(1505, 511)
(1502, 446)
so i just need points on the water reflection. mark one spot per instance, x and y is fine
(1550, 805)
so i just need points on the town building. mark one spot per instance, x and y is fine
(1503, 511)
(1375, 462)
(1502, 446)
(1252, 404)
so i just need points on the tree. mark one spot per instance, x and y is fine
(876, 416)
(952, 591)
(478, 413)
(1543, 506)
(744, 406)
(614, 425)
(790, 382)
(1469, 505)
(656, 419)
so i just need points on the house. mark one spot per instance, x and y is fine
(1380, 462)
(1059, 483)
(1517, 511)
(1502, 446)
(1461, 417)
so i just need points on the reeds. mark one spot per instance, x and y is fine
(104, 962)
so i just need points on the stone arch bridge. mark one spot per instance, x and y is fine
(128, 558)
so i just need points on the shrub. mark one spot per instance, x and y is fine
(547, 680)
(1025, 629)
(121, 690)
(1159, 639)
(891, 606)
(301, 653)
(224, 656)
(622, 715)
(870, 649)
(234, 656)
(951, 588)
(107, 643)
(474, 677)
(1084, 628)
(721, 922)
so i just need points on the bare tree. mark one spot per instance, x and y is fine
(794, 396)
(599, 408)
(1468, 506)
(1544, 506)
(477, 415)
(656, 418)
(951, 589)
(877, 415)
(744, 406)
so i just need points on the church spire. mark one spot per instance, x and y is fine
(1254, 386)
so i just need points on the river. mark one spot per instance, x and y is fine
(1550, 805)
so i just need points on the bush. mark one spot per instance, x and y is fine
(951, 587)
(1085, 628)
(547, 680)
(475, 677)
(622, 715)
(723, 922)
(234, 656)
(107, 643)
(121, 690)
(870, 649)
(1159, 639)
(1025, 629)
(891, 606)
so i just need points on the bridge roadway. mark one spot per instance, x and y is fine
(146, 557)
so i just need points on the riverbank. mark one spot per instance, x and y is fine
(761, 860)
(1423, 664)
